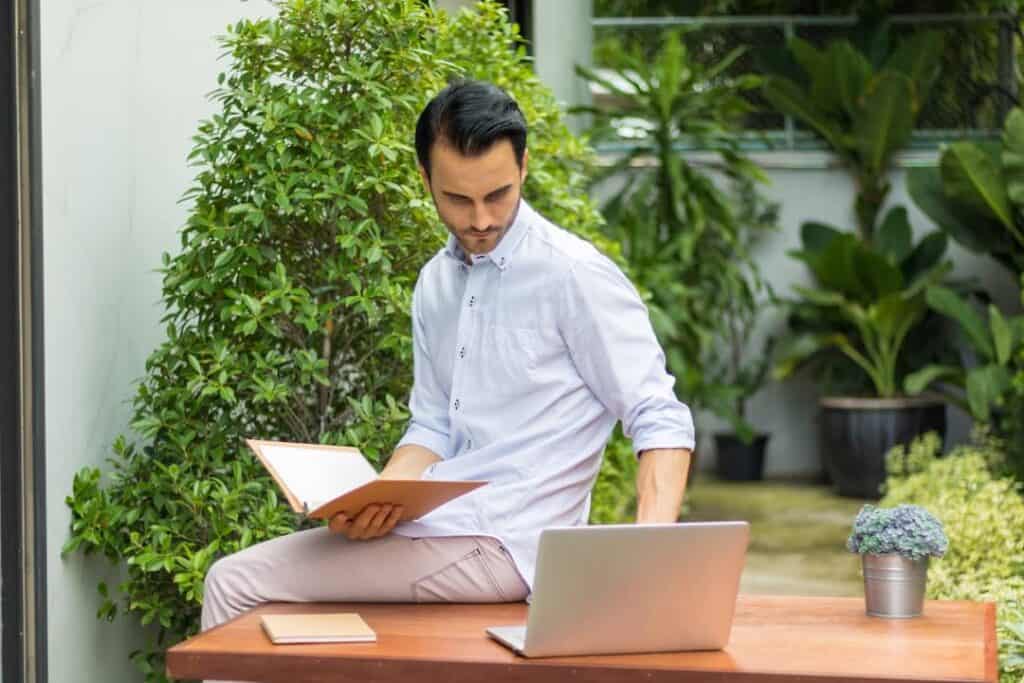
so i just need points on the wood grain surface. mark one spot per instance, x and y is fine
(774, 639)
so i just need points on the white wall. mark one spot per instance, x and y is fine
(123, 88)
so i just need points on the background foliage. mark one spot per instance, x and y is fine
(983, 516)
(287, 304)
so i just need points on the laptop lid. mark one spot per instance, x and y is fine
(635, 588)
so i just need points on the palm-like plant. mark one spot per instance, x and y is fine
(868, 299)
(682, 234)
(864, 107)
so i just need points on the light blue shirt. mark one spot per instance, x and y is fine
(523, 362)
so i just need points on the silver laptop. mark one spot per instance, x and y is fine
(632, 588)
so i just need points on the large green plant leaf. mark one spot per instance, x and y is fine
(973, 176)
(798, 349)
(817, 236)
(950, 304)
(918, 57)
(894, 235)
(894, 314)
(974, 230)
(916, 382)
(1002, 335)
(877, 275)
(925, 256)
(790, 98)
(834, 266)
(840, 80)
(890, 109)
(985, 386)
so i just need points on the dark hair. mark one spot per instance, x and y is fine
(470, 116)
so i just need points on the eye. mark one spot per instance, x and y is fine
(495, 196)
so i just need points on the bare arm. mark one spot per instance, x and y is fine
(407, 462)
(660, 484)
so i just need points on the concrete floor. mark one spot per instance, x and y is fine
(798, 534)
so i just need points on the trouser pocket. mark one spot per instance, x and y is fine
(468, 579)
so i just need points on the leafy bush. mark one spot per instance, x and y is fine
(287, 306)
(983, 516)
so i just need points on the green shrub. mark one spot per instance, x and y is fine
(983, 516)
(287, 305)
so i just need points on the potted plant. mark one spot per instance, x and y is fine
(866, 302)
(687, 238)
(869, 297)
(736, 366)
(895, 545)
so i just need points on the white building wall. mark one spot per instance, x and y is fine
(123, 88)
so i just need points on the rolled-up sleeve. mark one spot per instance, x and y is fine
(608, 330)
(428, 403)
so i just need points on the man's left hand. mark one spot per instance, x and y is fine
(373, 521)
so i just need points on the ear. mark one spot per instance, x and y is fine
(526, 158)
(424, 178)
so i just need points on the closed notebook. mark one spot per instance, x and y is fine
(346, 627)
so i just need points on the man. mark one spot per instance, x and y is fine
(528, 346)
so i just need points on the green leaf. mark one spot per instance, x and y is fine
(948, 303)
(890, 109)
(985, 386)
(893, 237)
(925, 257)
(789, 98)
(975, 231)
(917, 382)
(850, 72)
(918, 57)
(973, 177)
(1002, 335)
(817, 236)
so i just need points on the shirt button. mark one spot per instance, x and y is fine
(462, 352)
(472, 300)
(456, 404)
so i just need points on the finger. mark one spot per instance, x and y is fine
(392, 520)
(362, 522)
(338, 523)
(380, 519)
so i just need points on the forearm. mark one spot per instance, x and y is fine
(409, 462)
(660, 484)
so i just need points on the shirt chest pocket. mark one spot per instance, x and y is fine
(507, 359)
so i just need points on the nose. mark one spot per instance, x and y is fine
(482, 218)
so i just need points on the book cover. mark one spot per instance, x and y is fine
(348, 627)
(321, 481)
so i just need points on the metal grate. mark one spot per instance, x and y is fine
(976, 90)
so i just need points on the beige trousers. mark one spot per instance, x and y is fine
(319, 565)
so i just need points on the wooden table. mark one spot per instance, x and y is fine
(774, 639)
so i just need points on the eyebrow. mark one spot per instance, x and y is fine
(492, 193)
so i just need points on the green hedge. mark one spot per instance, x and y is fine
(984, 518)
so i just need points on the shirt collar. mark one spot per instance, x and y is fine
(501, 255)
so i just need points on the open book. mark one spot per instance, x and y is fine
(321, 481)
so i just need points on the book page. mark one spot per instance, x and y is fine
(315, 475)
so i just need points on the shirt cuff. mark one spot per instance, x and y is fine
(673, 439)
(428, 438)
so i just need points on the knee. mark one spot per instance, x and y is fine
(223, 579)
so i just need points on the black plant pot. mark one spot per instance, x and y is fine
(856, 434)
(737, 461)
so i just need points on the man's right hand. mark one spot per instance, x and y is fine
(373, 521)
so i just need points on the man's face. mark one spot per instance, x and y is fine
(476, 196)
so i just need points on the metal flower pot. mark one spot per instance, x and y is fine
(894, 585)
